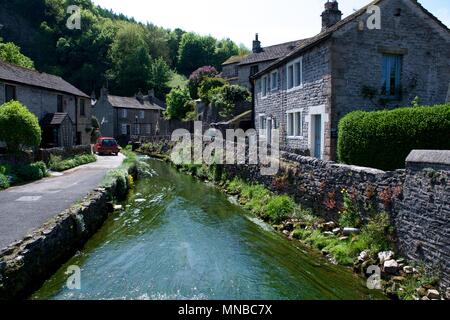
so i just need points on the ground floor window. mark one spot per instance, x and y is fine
(262, 124)
(295, 123)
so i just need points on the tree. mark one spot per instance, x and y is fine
(131, 61)
(207, 86)
(195, 51)
(19, 128)
(197, 77)
(178, 104)
(224, 50)
(11, 53)
(160, 75)
(227, 97)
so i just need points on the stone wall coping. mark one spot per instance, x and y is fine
(438, 157)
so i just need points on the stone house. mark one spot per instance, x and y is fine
(64, 111)
(129, 118)
(350, 65)
(239, 69)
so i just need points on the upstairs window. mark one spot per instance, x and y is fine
(274, 81)
(10, 93)
(142, 114)
(295, 74)
(82, 107)
(265, 85)
(124, 113)
(391, 76)
(60, 106)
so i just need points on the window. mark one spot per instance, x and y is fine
(60, 107)
(10, 93)
(254, 70)
(124, 129)
(82, 107)
(142, 114)
(148, 128)
(138, 129)
(290, 77)
(391, 77)
(274, 80)
(124, 113)
(295, 74)
(262, 125)
(265, 85)
(294, 123)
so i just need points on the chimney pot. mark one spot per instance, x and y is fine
(331, 15)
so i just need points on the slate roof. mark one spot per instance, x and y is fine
(54, 119)
(16, 74)
(311, 42)
(234, 59)
(134, 103)
(272, 52)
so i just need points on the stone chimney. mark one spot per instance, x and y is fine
(331, 15)
(257, 45)
(103, 92)
(140, 96)
(151, 95)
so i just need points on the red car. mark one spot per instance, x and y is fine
(107, 145)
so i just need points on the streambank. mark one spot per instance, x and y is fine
(26, 264)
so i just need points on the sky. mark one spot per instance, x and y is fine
(276, 21)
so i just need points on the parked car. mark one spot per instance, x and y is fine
(107, 145)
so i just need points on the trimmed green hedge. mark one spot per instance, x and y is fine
(383, 139)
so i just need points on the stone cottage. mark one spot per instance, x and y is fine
(64, 111)
(129, 118)
(239, 69)
(381, 56)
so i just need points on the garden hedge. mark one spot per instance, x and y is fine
(383, 139)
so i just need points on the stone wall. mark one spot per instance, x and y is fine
(422, 219)
(26, 264)
(417, 199)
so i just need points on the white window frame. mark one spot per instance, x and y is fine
(274, 81)
(295, 74)
(294, 130)
(148, 128)
(142, 114)
(262, 124)
(124, 113)
(124, 128)
(265, 86)
(137, 129)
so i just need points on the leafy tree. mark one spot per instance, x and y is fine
(19, 128)
(197, 77)
(178, 104)
(159, 77)
(11, 53)
(195, 51)
(227, 97)
(131, 61)
(224, 49)
(207, 86)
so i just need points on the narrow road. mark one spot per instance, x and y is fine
(26, 208)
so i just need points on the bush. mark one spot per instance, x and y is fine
(383, 139)
(178, 105)
(206, 87)
(19, 128)
(4, 181)
(32, 172)
(349, 216)
(227, 97)
(197, 77)
(280, 208)
(57, 164)
(378, 233)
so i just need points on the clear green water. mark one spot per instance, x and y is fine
(187, 241)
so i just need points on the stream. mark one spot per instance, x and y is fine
(179, 238)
